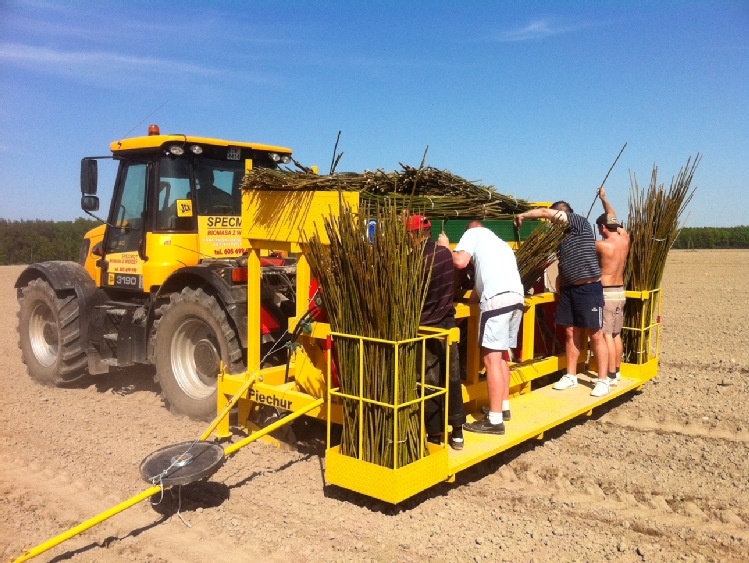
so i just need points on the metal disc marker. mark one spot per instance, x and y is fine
(182, 463)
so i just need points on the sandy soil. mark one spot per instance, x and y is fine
(659, 476)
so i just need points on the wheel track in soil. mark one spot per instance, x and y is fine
(31, 487)
(722, 532)
(718, 527)
(669, 425)
(589, 493)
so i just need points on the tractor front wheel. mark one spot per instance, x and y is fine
(49, 334)
(192, 336)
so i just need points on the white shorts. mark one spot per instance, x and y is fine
(500, 321)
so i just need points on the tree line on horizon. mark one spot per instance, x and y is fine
(25, 242)
(713, 237)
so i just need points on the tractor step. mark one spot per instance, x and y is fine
(116, 312)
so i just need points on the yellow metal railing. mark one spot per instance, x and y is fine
(425, 391)
(643, 343)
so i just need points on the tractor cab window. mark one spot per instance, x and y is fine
(218, 187)
(129, 209)
(175, 211)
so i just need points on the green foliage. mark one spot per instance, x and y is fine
(25, 242)
(713, 237)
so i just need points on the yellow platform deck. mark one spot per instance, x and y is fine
(532, 415)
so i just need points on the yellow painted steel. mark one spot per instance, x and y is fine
(397, 483)
(253, 308)
(290, 216)
(389, 485)
(543, 409)
(154, 141)
(271, 427)
(649, 332)
(94, 236)
(57, 540)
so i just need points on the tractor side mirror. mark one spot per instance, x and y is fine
(89, 178)
(90, 202)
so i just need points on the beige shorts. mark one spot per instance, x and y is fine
(613, 309)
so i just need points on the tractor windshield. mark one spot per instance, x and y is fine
(218, 187)
(188, 188)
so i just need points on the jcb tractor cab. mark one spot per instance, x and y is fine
(163, 281)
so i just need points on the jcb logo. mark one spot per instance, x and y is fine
(184, 208)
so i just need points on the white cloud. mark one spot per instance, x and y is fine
(538, 29)
(115, 70)
(93, 62)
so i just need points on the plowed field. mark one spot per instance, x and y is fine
(659, 476)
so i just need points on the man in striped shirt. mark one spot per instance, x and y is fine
(580, 305)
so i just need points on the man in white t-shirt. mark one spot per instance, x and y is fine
(499, 292)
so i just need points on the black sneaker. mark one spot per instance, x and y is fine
(483, 426)
(457, 443)
(434, 439)
(506, 415)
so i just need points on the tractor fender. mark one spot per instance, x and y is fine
(61, 275)
(232, 298)
(66, 276)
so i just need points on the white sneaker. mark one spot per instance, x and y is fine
(566, 382)
(601, 389)
(615, 381)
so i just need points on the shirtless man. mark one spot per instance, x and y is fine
(612, 255)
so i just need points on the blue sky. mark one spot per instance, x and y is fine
(534, 98)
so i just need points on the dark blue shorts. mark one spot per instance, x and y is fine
(581, 306)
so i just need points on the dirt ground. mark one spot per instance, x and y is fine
(659, 476)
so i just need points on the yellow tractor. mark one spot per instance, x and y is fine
(164, 280)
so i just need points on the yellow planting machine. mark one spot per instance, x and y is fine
(306, 385)
(187, 284)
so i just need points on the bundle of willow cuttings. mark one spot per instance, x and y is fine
(371, 285)
(439, 193)
(537, 251)
(653, 225)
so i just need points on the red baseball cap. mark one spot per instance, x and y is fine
(416, 222)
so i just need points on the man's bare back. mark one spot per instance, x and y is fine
(612, 255)
(613, 249)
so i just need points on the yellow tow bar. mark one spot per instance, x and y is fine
(57, 540)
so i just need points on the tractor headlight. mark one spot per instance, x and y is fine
(176, 150)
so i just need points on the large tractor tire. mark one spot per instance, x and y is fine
(192, 335)
(49, 334)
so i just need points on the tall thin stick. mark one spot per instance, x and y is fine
(604, 180)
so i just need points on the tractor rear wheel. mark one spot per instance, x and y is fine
(192, 335)
(49, 334)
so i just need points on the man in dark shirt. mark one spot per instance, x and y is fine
(211, 199)
(439, 312)
(580, 305)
